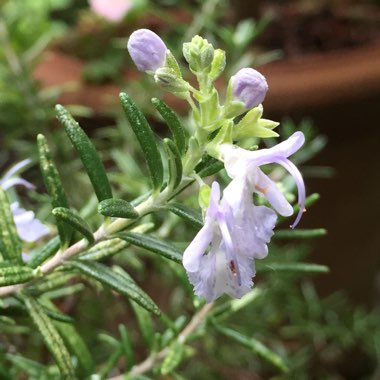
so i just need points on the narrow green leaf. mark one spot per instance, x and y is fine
(214, 167)
(116, 282)
(292, 267)
(173, 358)
(10, 244)
(57, 316)
(7, 321)
(153, 244)
(55, 280)
(191, 215)
(146, 139)
(73, 219)
(256, 346)
(87, 153)
(111, 362)
(51, 337)
(11, 275)
(234, 305)
(173, 122)
(31, 367)
(118, 208)
(104, 249)
(53, 186)
(174, 163)
(299, 233)
(126, 344)
(49, 249)
(75, 344)
(144, 321)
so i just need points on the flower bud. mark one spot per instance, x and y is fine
(199, 54)
(147, 50)
(249, 87)
(218, 64)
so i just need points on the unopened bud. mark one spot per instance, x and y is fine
(249, 87)
(199, 54)
(218, 64)
(147, 50)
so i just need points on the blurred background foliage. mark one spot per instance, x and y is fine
(285, 323)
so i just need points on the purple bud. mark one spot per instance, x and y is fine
(147, 50)
(249, 86)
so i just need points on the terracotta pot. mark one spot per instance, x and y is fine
(315, 81)
(310, 82)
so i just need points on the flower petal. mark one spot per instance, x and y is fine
(197, 248)
(15, 168)
(269, 189)
(16, 181)
(28, 227)
(297, 176)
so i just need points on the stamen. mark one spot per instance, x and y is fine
(261, 189)
(234, 267)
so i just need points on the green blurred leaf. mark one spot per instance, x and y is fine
(126, 345)
(29, 366)
(174, 163)
(292, 267)
(234, 305)
(10, 244)
(144, 321)
(152, 244)
(51, 337)
(73, 219)
(55, 314)
(53, 186)
(104, 249)
(173, 122)
(299, 233)
(12, 274)
(115, 281)
(213, 167)
(47, 250)
(256, 346)
(87, 153)
(76, 345)
(146, 139)
(191, 215)
(118, 208)
(173, 358)
(54, 280)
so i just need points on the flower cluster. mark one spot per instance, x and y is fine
(221, 257)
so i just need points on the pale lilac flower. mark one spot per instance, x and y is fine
(111, 10)
(238, 232)
(241, 162)
(249, 87)
(28, 227)
(147, 50)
